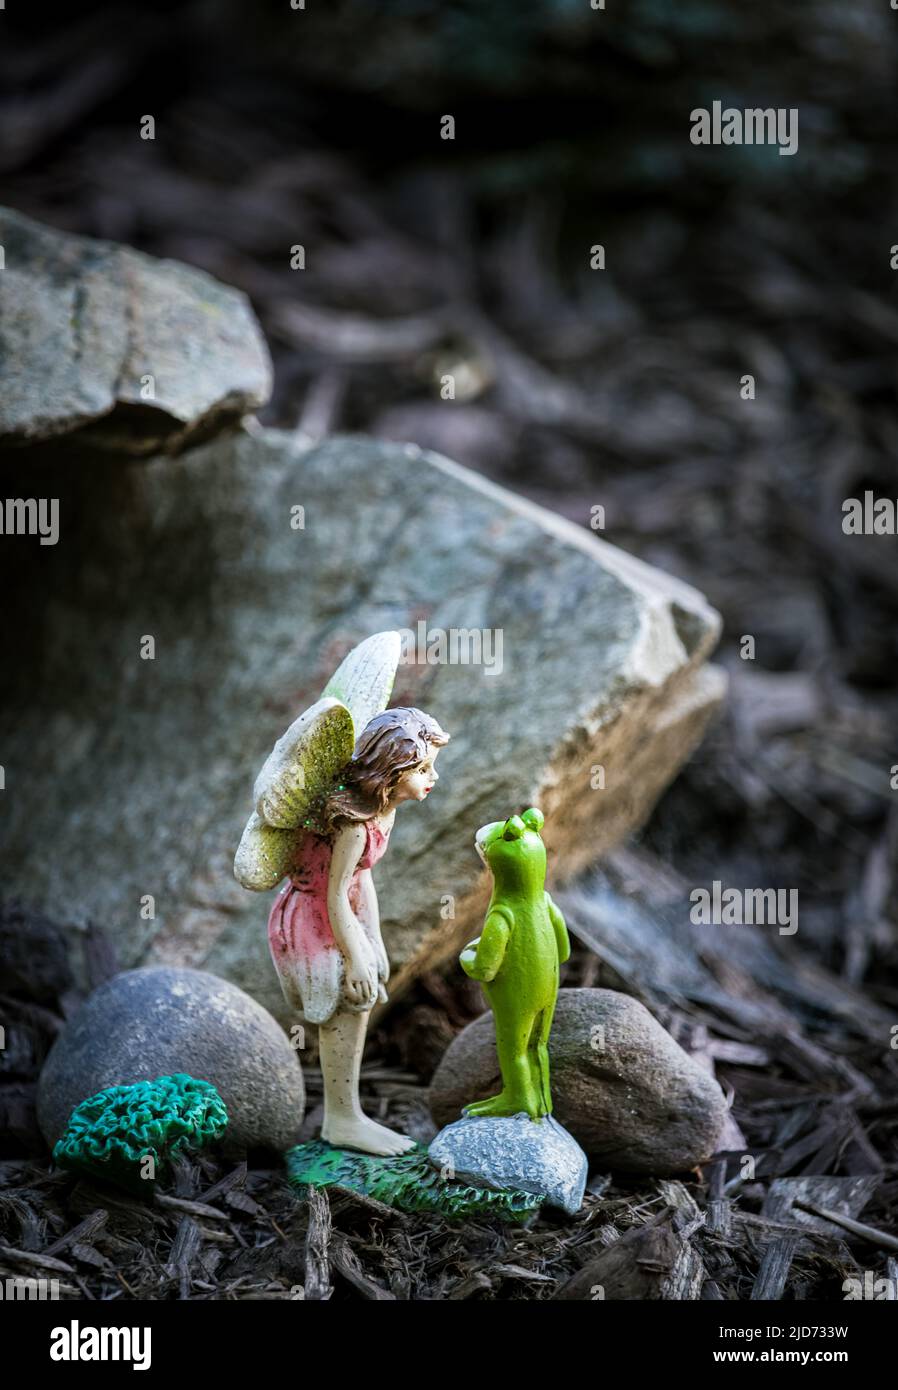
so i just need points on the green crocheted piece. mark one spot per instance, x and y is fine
(408, 1182)
(112, 1134)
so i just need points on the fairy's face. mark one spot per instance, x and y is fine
(418, 782)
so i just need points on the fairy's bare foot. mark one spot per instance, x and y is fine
(354, 1132)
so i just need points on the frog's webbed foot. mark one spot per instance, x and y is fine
(502, 1104)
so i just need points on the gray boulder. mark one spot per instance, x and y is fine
(155, 1022)
(629, 1094)
(254, 565)
(149, 354)
(513, 1153)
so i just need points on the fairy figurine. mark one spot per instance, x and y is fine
(324, 805)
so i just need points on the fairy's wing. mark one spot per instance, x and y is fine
(300, 770)
(304, 764)
(264, 855)
(364, 679)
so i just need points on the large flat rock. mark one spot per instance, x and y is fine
(146, 354)
(128, 777)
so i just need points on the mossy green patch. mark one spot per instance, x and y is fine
(111, 1134)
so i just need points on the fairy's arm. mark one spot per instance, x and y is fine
(361, 967)
(369, 913)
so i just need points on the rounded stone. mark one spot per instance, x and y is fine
(160, 1020)
(512, 1153)
(626, 1091)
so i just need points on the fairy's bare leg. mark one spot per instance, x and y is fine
(341, 1041)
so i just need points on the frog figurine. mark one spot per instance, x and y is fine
(516, 959)
(511, 1141)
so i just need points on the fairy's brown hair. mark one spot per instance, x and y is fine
(392, 744)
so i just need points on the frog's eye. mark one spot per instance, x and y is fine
(534, 819)
(514, 828)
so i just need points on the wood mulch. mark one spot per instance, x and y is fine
(818, 1208)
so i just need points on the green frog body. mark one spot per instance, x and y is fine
(516, 960)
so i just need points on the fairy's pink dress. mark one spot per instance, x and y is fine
(306, 956)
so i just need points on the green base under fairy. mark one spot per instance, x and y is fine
(407, 1182)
